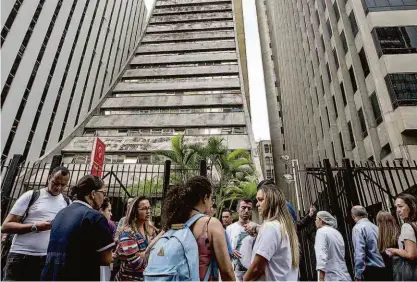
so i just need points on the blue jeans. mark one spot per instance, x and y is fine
(23, 267)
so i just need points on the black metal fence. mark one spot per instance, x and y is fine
(338, 188)
(122, 181)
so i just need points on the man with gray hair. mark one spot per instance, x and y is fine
(369, 265)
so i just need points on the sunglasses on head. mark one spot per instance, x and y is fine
(265, 182)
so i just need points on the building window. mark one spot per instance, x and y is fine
(395, 40)
(375, 108)
(402, 88)
(362, 122)
(329, 28)
(327, 114)
(364, 62)
(334, 105)
(328, 72)
(353, 24)
(336, 10)
(344, 42)
(336, 59)
(266, 148)
(342, 89)
(269, 173)
(114, 159)
(22, 49)
(387, 5)
(317, 18)
(342, 145)
(353, 79)
(144, 158)
(81, 159)
(9, 21)
(352, 139)
(268, 160)
(385, 151)
(321, 127)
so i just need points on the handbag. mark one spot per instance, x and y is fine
(403, 269)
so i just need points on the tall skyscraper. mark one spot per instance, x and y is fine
(343, 75)
(185, 78)
(58, 61)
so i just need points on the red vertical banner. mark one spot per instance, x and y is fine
(97, 157)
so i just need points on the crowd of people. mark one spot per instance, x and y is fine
(58, 239)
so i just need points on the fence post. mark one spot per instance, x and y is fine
(203, 168)
(8, 182)
(167, 177)
(56, 162)
(331, 189)
(350, 183)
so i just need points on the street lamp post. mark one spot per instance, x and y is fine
(292, 178)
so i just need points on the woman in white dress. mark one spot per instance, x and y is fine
(330, 250)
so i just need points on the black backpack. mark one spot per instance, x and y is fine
(7, 243)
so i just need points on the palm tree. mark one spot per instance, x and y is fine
(212, 151)
(183, 155)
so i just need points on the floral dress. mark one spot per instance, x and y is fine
(130, 245)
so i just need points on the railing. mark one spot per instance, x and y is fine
(122, 181)
(337, 189)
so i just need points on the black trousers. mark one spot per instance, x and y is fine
(373, 273)
(23, 267)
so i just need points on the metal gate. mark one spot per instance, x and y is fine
(338, 188)
(122, 181)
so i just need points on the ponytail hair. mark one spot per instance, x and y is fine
(85, 186)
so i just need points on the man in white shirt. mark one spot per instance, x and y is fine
(31, 222)
(330, 250)
(240, 240)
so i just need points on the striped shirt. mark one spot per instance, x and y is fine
(130, 247)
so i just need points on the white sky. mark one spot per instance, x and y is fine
(256, 75)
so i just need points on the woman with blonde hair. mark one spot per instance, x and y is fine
(388, 231)
(275, 255)
(135, 241)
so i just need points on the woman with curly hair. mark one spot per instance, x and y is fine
(135, 241)
(182, 203)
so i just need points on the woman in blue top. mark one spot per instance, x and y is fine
(81, 240)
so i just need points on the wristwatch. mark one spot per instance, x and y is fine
(34, 228)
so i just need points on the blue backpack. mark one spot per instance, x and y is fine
(175, 256)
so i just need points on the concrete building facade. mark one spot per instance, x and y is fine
(186, 77)
(59, 59)
(266, 159)
(345, 76)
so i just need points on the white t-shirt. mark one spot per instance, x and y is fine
(277, 251)
(242, 242)
(44, 208)
(407, 233)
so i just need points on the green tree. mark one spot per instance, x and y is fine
(184, 157)
(149, 187)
